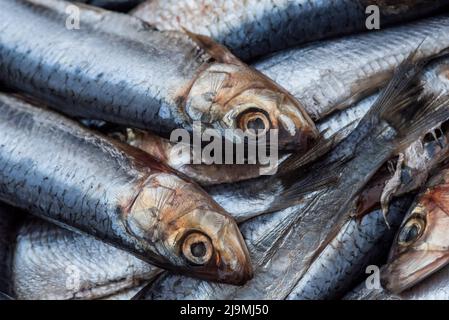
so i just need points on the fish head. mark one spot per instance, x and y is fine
(421, 246)
(192, 234)
(236, 98)
(212, 246)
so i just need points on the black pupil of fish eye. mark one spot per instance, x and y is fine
(410, 234)
(256, 124)
(198, 249)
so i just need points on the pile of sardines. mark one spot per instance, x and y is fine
(97, 202)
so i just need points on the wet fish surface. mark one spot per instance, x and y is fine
(334, 74)
(342, 264)
(366, 238)
(56, 169)
(254, 28)
(436, 287)
(420, 247)
(282, 251)
(53, 263)
(117, 68)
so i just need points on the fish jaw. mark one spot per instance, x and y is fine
(187, 231)
(410, 269)
(234, 96)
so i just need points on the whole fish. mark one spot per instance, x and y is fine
(54, 168)
(117, 5)
(281, 252)
(258, 27)
(53, 263)
(331, 75)
(421, 245)
(435, 287)
(116, 68)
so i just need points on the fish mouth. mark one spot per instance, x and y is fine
(411, 268)
(297, 131)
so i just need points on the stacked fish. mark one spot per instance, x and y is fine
(98, 203)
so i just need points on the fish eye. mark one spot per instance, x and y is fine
(254, 121)
(197, 248)
(411, 232)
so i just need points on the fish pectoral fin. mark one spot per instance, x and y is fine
(321, 147)
(215, 50)
(296, 186)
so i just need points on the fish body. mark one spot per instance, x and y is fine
(55, 169)
(334, 74)
(179, 156)
(54, 263)
(117, 68)
(342, 264)
(254, 28)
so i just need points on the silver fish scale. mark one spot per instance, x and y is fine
(54, 263)
(256, 27)
(332, 73)
(95, 77)
(357, 245)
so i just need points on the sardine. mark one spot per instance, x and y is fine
(282, 251)
(332, 75)
(421, 245)
(436, 287)
(54, 168)
(258, 27)
(116, 68)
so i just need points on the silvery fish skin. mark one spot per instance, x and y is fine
(436, 287)
(54, 168)
(357, 245)
(421, 245)
(117, 5)
(282, 250)
(53, 263)
(258, 27)
(117, 68)
(332, 75)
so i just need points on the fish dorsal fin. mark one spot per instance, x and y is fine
(215, 50)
